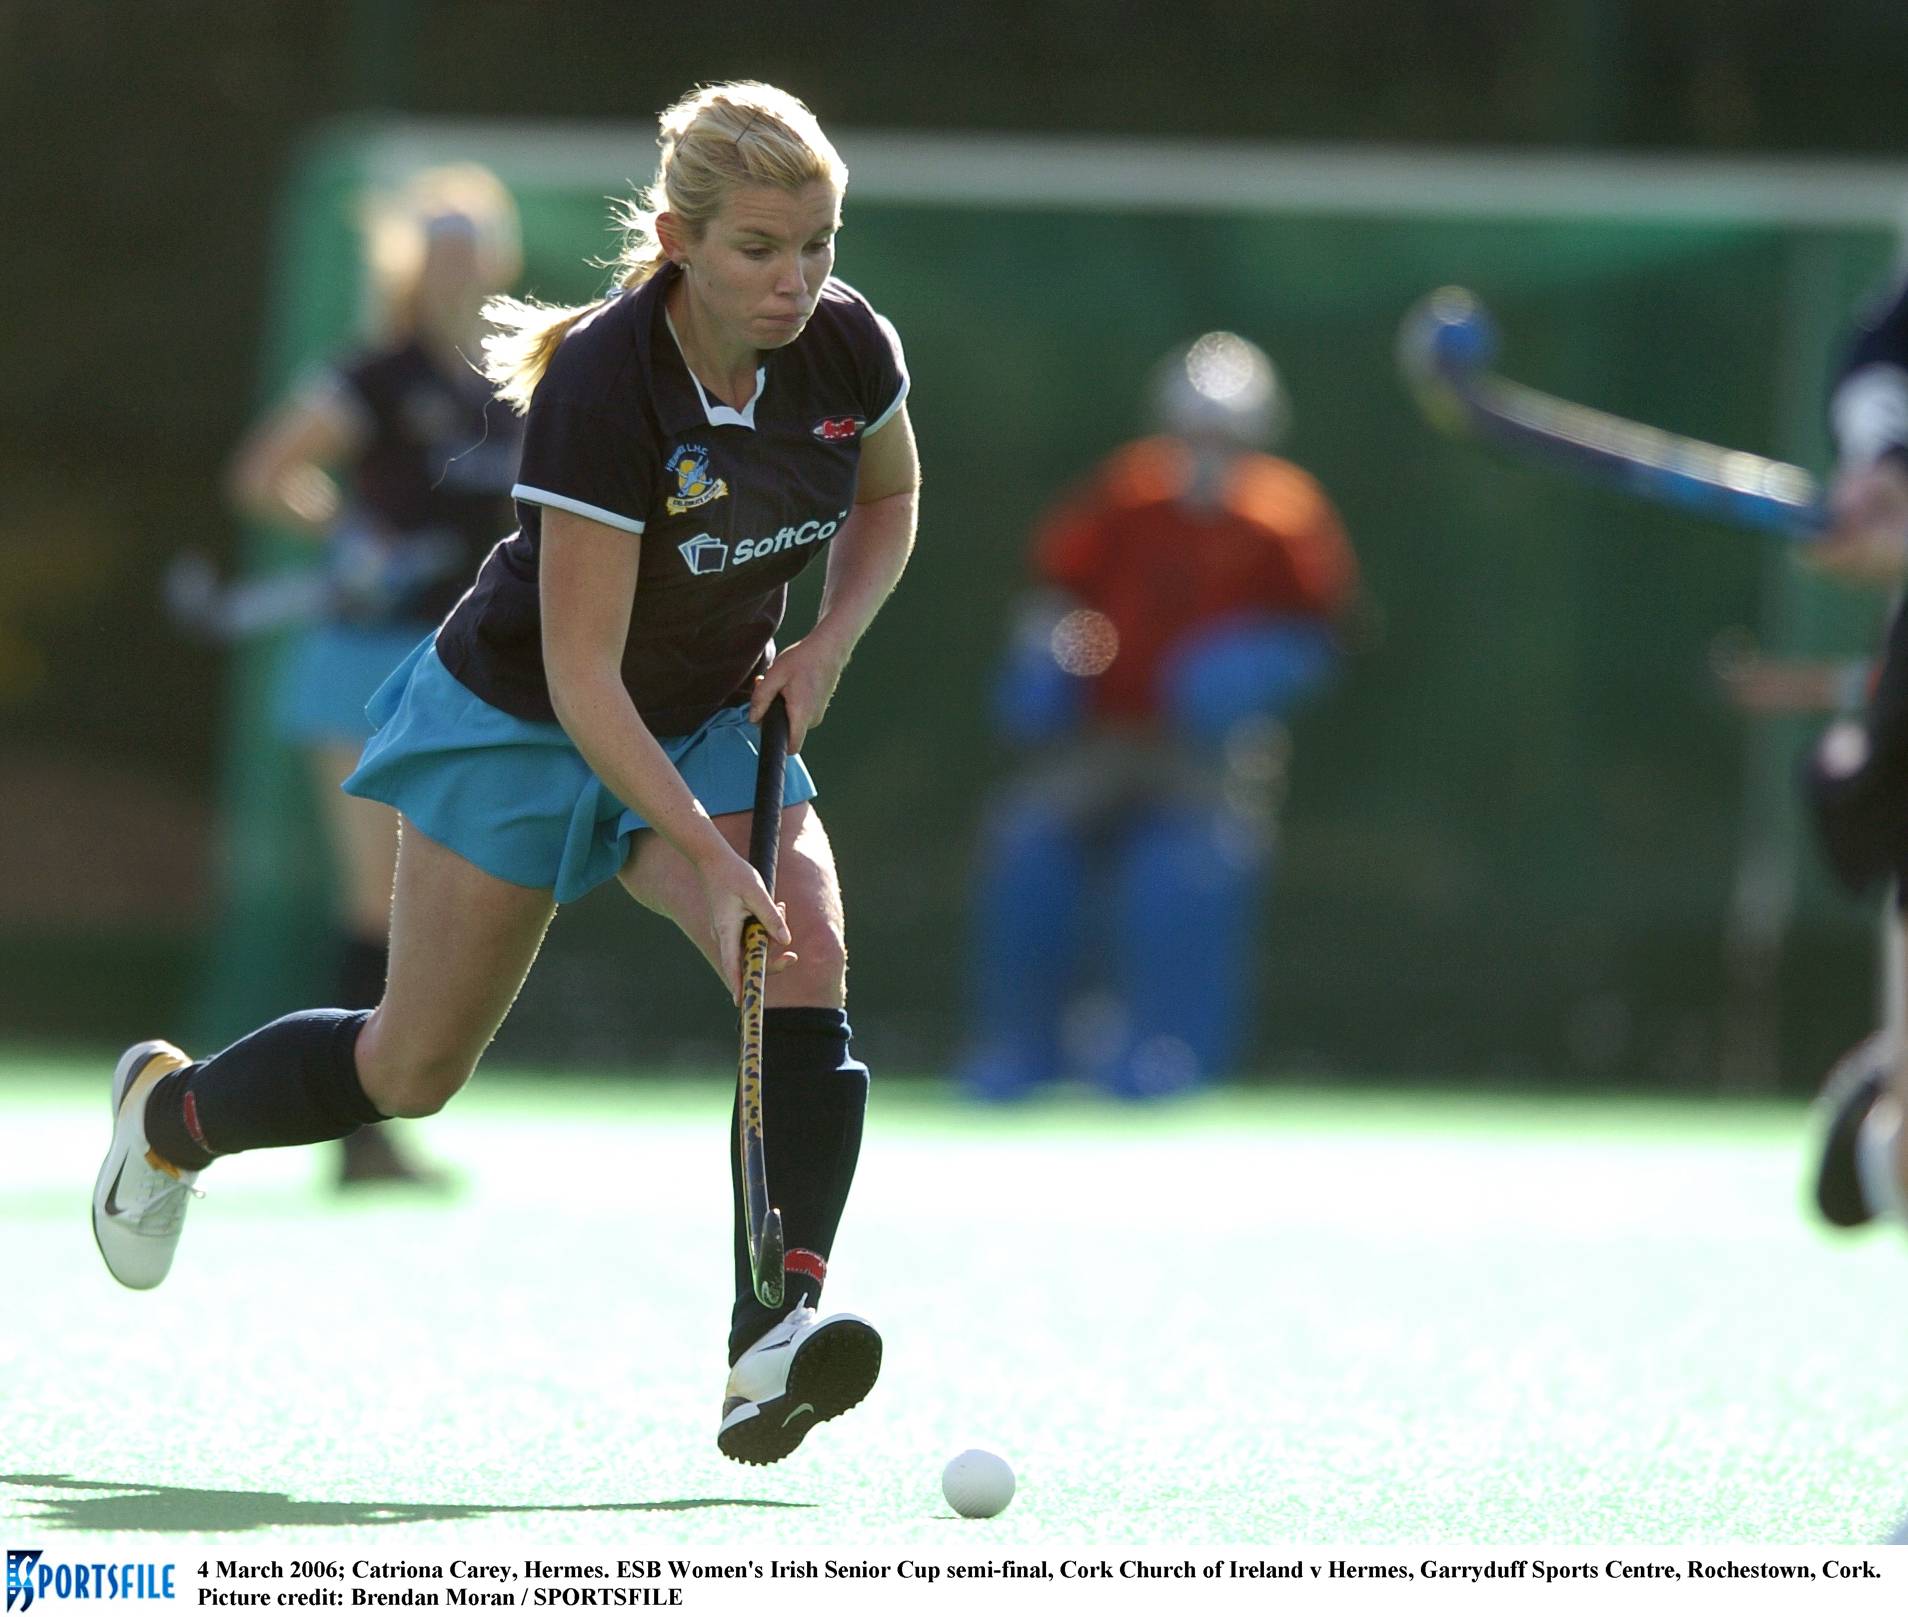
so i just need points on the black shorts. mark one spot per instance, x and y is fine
(1856, 780)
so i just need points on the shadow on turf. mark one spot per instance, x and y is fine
(136, 1507)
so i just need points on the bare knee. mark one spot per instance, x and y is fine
(405, 1079)
(820, 975)
(422, 1092)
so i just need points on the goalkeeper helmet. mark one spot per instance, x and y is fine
(1220, 386)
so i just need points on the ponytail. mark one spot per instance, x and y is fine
(712, 141)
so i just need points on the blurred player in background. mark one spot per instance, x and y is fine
(588, 712)
(1191, 593)
(1858, 775)
(398, 462)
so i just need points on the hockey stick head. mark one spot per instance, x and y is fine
(766, 1260)
(1447, 338)
(762, 1219)
(1445, 349)
(1448, 334)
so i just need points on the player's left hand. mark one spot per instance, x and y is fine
(804, 676)
(1768, 686)
(1866, 542)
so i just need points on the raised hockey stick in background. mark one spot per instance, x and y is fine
(1445, 349)
(359, 576)
(1447, 345)
(202, 604)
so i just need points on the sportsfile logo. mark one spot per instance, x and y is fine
(30, 1577)
(20, 1564)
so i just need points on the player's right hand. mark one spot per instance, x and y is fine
(734, 892)
(1866, 542)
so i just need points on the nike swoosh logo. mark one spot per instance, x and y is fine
(112, 1193)
(799, 1409)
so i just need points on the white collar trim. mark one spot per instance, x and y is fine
(718, 413)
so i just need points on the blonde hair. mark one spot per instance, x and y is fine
(397, 231)
(713, 140)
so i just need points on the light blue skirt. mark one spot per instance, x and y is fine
(327, 677)
(515, 797)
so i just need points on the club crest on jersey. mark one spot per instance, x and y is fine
(839, 429)
(696, 484)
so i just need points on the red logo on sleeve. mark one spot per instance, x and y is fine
(839, 428)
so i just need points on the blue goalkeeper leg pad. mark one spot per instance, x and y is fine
(1026, 906)
(1187, 942)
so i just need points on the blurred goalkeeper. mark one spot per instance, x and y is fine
(1189, 599)
(397, 462)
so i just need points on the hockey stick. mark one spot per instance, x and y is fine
(200, 604)
(1445, 348)
(765, 836)
(361, 578)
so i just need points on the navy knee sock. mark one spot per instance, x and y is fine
(814, 1096)
(292, 1082)
(362, 966)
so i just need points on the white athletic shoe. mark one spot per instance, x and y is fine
(802, 1371)
(139, 1199)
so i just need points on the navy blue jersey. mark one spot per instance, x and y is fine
(1869, 406)
(729, 505)
(436, 460)
(1882, 337)
(1859, 791)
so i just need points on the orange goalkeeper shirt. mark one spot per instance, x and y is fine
(1129, 546)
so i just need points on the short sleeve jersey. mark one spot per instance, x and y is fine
(730, 504)
(1868, 408)
(1130, 546)
(1882, 337)
(437, 458)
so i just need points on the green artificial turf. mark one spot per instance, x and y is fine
(1283, 1316)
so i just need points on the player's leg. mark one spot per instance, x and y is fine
(1858, 791)
(329, 675)
(1889, 1155)
(806, 885)
(789, 1367)
(461, 943)
(1189, 877)
(1862, 1170)
(363, 837)
(814, 1091)
(1029, 890)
